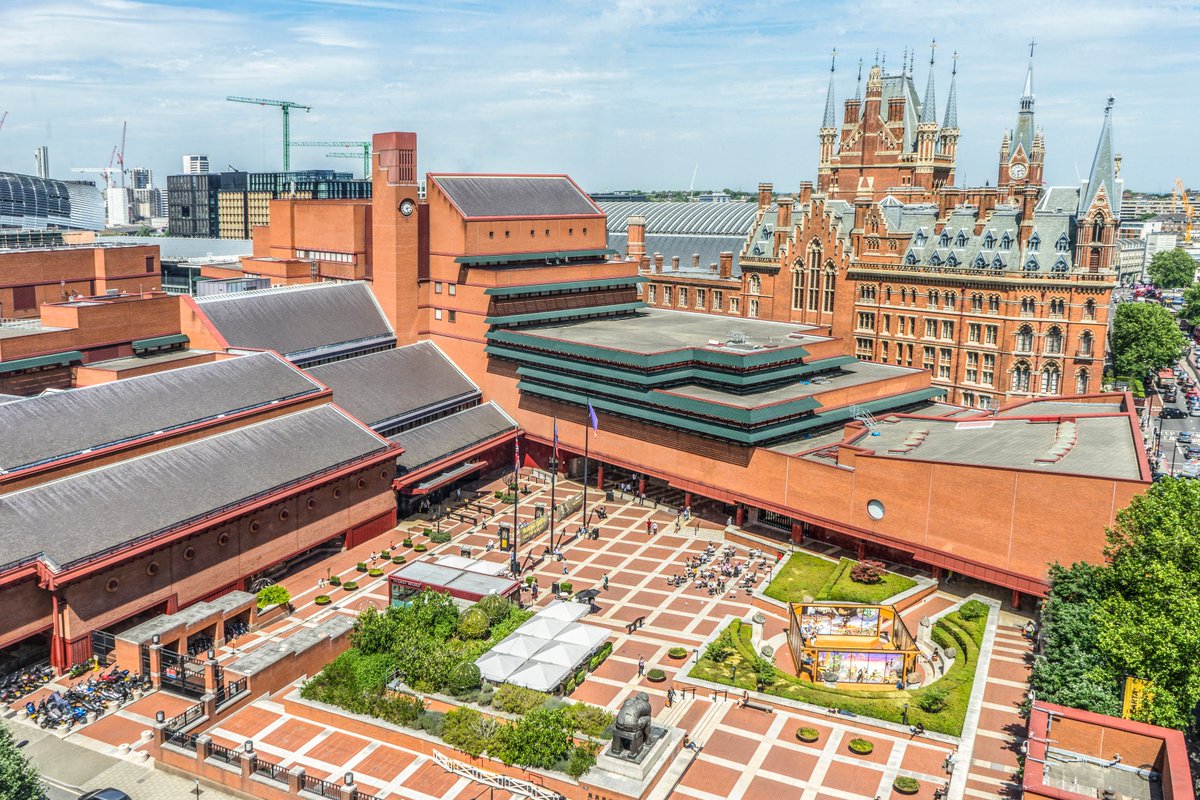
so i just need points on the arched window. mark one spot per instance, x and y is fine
(1006, 241)
(1050, 376)
(1028, 306)
(752, 308)
(1082, 380)
(993, 303)
(932, 297)
(1025, 339)
(1098, 229)
(797, 281)
(1020, 377)
(910, 259)
(887, 295)
(830, 281)
(1086, 341)
(1063, 244)
(1057, 306)
(1089, 309)
(951, 300)
(1054, 341)
(977, 302)
(903, 296)
(755, 284)
(1034, 242)
(814, 274)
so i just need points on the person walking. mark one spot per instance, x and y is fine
(606, 582)
(564, 566)
(641, 666)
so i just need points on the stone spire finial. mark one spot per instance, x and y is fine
(951, 120)
(929, 104)
(858, 82)
(830, 120)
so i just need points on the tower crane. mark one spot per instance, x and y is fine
(286, 107)
(105, 171)
(120, 154)
(1187, 210)
(365, 146)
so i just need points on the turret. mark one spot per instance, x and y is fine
(949, 134)
(927, 124)
(828, 132)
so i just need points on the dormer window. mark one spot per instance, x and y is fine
(1006, 242)
(1060, 265)
(951, 260)
(1034, 242)
(935, 260)
(919, 239)
(989, 241)
(911, 258)
(960, 240)
(945, 240)
(1063, 244)
(997, 263)
(980, 262)
(1031, 265)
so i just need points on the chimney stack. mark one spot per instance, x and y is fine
(765, 190)
(785, 214)
(658, 262)
(695, 261)
(806, 190)
(727, 259)
(675, 263)
(635, 245)
(644, 264)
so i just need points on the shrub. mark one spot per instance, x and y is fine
(517, 699)
(398, 559)
(973, 610)
(678, 652)
(579, 761)
(335, 580)
(718, 650)
(530, 579)
(407, 542)
(655, 675)
(439, 537)
(322, 600)
(473, 624)
(486, 693)
(349, 586)
(495, 606)
(765, 672)
(580, 676)
(539, 739)
(598, 659)
(385, 553)
(404, 709)
(273, 595)
(566, 587)
(374, 573)
(867, 571)
(861, 747)
(420, 548)
(497, 494)
(361, 566)
(588, 719)
(570, 686)
(433, 722)
(808, 734)
(468, 730)
(464, 678)
(427, 531)
(933, 699)
(906, 785)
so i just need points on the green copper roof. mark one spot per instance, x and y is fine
(546, 316)
(506, 291)
(548, 256)
(160, 341)
(41, 361)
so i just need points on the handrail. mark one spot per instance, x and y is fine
(270, 770)
(227, 754)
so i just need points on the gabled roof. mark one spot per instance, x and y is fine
(299, 321)
(384, 387)
(443, 437)
(54, 426)
(516, 195)
(78, 517)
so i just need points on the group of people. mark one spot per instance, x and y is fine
(706, 572)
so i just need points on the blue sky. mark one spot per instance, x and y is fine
(618, 94)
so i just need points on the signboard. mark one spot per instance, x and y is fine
(531, 528)
(1137, 691)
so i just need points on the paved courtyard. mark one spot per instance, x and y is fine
(745, 754)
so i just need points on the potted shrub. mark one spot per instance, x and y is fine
(349, 586)
(273, 595)
(565, 587)
(374, 573)
(427, 531)
(385, 553)
(335, 580)
(808, 735)
(407, 542)
(322, 600)
(655, 675)
(678, 653)
(906, 785)
(361, 566)
(570, 686)
(420, 548)
(529, 580)
(861, 747)
(398, 559)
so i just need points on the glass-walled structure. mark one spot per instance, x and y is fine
(31, 203)
(851, 643)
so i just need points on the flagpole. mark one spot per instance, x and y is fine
(516, 498)
(553, 476)
(587, 429)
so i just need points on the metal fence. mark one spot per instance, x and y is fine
(227, 754)
(234, 688)
(269, 770)
(321, 788)
(185, 740)
(185, 719)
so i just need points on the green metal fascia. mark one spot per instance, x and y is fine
(546, 316)
(757, 358)
(688, 405)
(41, 361)
(160, 341)
(516, 258)
(506, 291)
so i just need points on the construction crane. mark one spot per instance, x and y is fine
(105, 171)
(365, 146)
(120, 154)
(286, 106)
(1187, 209)
(3, 117)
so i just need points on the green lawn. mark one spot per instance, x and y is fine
(805, 575)
(886, 704)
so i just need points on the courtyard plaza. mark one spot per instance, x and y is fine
(745, 754)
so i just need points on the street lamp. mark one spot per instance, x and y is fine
(348, 779)
(248, 746)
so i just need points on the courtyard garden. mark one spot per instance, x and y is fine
(430, 646)
(940, 706)
(805, 576)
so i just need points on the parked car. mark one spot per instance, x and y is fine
(1189, 471)
(1170, 395)
(1193, 451)
(1171, 412)
(106, 794)
(1185, 437)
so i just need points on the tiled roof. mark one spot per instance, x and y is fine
(75, 518)
(50, 426)
(516, 195)
(443, 437)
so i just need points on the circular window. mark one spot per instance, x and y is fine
(284, 513)
(152, 568)
(223, 539)
(337, 493)
(383, 474)
(362, 482)
(189, 553)
(875, 509)
(112, 585)
(311, 503)
(255, 525)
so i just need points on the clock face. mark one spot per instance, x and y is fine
(406, 208)
(1017, 171)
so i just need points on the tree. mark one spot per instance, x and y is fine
(1172, 269)
(273, 595)
(19, 780)
(539, 739)
(1144, 338)
(1191, 304)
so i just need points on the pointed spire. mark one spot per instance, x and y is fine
(1027, 94)
(830, 120)
(858, 82)
(1103, 172)
(929, 104)
(951, 120)
(904, 62)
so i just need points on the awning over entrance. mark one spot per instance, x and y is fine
(443, 478)
(35, 362)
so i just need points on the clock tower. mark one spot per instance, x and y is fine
(396, 218)
(1022, 153)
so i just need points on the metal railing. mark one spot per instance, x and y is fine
(227, 754)
(234, 688)
(321, 788)
(185, 719)
(270, 770)
(185, 740)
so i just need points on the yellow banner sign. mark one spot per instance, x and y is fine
(1137, 691)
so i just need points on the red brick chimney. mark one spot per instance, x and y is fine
(785, 214)
(635, 245)
(764, 194)
(675, 263)
(806, 190)
(658, 262)
(644, 264)
(695, 261)
(726, 270)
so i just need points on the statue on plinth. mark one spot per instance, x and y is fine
(631, 730)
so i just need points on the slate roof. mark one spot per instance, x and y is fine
(52, 426)
(516, 195)
(299, 321)
(443, 437)
(75, 518)
(387, 386)
(720, 219)
(709, 248)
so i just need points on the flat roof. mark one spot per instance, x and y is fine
(1099, 447)
(658, 330)
(453, 580)
(1056, 407)
(133, 362)
(849, 375)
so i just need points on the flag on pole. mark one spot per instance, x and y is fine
(556, 438)
(592, 418)
(516, 455)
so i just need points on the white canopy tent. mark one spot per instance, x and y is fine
(561, 609)
(497, 667)
(540, 676)
(546, 651)
(544, 627)
(567, 655)
(589, 636)
(517, 644)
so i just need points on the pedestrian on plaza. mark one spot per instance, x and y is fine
(654, 529)
(641, 498)
(564, 566)
(648, 529)
(729, 522)
(606, 582)
(670, 697)
(533, 587)
(641, 666)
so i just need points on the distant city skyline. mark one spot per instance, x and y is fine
(625, 94)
